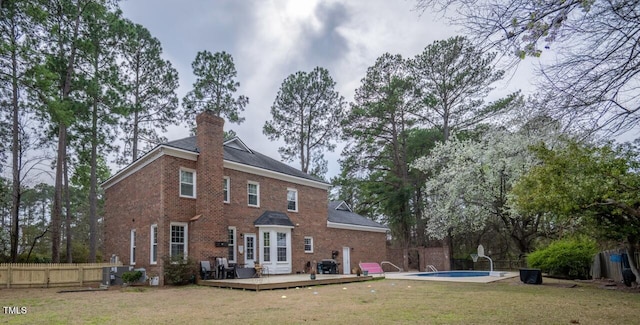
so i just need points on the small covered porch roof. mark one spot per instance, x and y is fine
(273, 218)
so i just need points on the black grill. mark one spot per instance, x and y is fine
(328, 266)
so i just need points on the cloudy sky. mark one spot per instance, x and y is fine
(270, 40)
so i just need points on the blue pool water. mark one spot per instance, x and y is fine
(453, 274)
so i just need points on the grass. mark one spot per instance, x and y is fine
(375, 302)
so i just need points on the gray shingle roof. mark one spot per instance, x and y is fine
(273, 218)
(253, 158)
(348, 217)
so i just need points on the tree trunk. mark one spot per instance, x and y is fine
(67, 199)
(304, 163)
(35, 241)
(405, 255)
(134, 141)
(445, 126)
(449, 240)
(15, 152)
(136, 107)
(56, 213)
(93, 181)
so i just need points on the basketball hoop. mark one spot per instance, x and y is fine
(474, 257)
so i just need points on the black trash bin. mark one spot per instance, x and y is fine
(531, 276)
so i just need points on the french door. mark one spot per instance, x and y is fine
(275, 249)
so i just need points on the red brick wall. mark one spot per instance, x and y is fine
(210, 226)
(436, 256)
(365, 246)
(150, 196)
(129, 204)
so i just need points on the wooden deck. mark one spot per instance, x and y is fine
(284, 281)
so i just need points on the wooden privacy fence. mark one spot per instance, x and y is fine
(607, 264)
(29, 275)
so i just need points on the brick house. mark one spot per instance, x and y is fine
(205, 197)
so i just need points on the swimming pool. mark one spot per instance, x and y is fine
(452, 274)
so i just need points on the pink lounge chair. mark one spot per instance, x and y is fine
(371, 268)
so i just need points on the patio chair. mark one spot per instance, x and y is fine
(261, 270)
(205, 270)
(258, 269)
(228, 270)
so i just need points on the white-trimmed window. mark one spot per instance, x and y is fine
(266, 246)
(282, 246)
(232, 244)
(308, 244)
(153, 254)
(292, 200)
(178, 242)
(133, 247)
(187, 183)
(253, 194)
(226, 186)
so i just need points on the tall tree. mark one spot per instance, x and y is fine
(594, 76)
(377, 127)
(150, 90)
(306, 113)
(12, 29)
(18, 27)
(454, 77)
(57, 85)
(214, 88)
(95, 127)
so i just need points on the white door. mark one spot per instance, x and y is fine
(346, 260)
(275, 250)
(249, 250)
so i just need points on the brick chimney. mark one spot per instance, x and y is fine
(210, 227)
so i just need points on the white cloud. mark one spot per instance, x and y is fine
(271, 39)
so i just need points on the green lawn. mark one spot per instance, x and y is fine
(375, 302)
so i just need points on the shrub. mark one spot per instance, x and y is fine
(131, 276)
(179, 270)
(569, 258)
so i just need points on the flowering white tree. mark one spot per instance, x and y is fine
(472, 180)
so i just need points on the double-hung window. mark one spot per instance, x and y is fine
(187, 183)
(292, 200)
(133, 247)
(178, 244)
(226, 189)
(308, 244)
(253, 194)
(153, 255)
